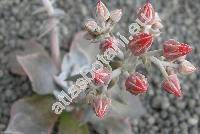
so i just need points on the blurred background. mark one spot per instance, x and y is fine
(165, 113)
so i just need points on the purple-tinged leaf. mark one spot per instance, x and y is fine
(40, 70)
(70, 125)
(29, 47)
(32, 115)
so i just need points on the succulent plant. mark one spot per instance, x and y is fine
(97, 81)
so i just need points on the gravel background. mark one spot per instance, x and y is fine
(165, 113)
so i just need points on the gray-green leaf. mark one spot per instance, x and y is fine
(32, 115)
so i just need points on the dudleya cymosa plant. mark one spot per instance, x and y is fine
(113, 93)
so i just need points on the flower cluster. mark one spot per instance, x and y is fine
(170, 60)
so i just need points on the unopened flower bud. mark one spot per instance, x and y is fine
(91, 26)
(100, 105)
(116, 15)
(101, 76)
(173, 49)
(186, 67)
(172, 85)
(146, 14)
(136, 84)
(102, 12)
(140, 43)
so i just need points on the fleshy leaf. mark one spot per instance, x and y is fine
(81, 55)
(85, 46)
(73, 62)
(32, 115)
(40, 70)
(28, 48)
(69, 125)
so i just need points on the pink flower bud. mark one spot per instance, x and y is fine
(186, 67)
(136, 84)
(116, 15)
(91, 26)
(101, 76)
(111, 42)
(172, 85)
(173, 49)
(140, 43)
(146, 14)
(102, 12)
(100, 105)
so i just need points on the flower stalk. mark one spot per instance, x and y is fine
(158, 63)
(55, 48)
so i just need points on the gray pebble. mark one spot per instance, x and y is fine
(1, 73)
(157, 102)
(8, 93)
(194, 130)
(192, 103)
(151, 120)
(193, 121)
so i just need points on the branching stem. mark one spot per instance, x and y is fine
(165, 63)
(158, 63)
(154, 53)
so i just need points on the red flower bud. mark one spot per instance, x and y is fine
(146, 14)
(101, 76)
(172, 85)
(136, 84)
(173, 49)
(109, 43)
(140, 43)
(100, 105)
(186, 67)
